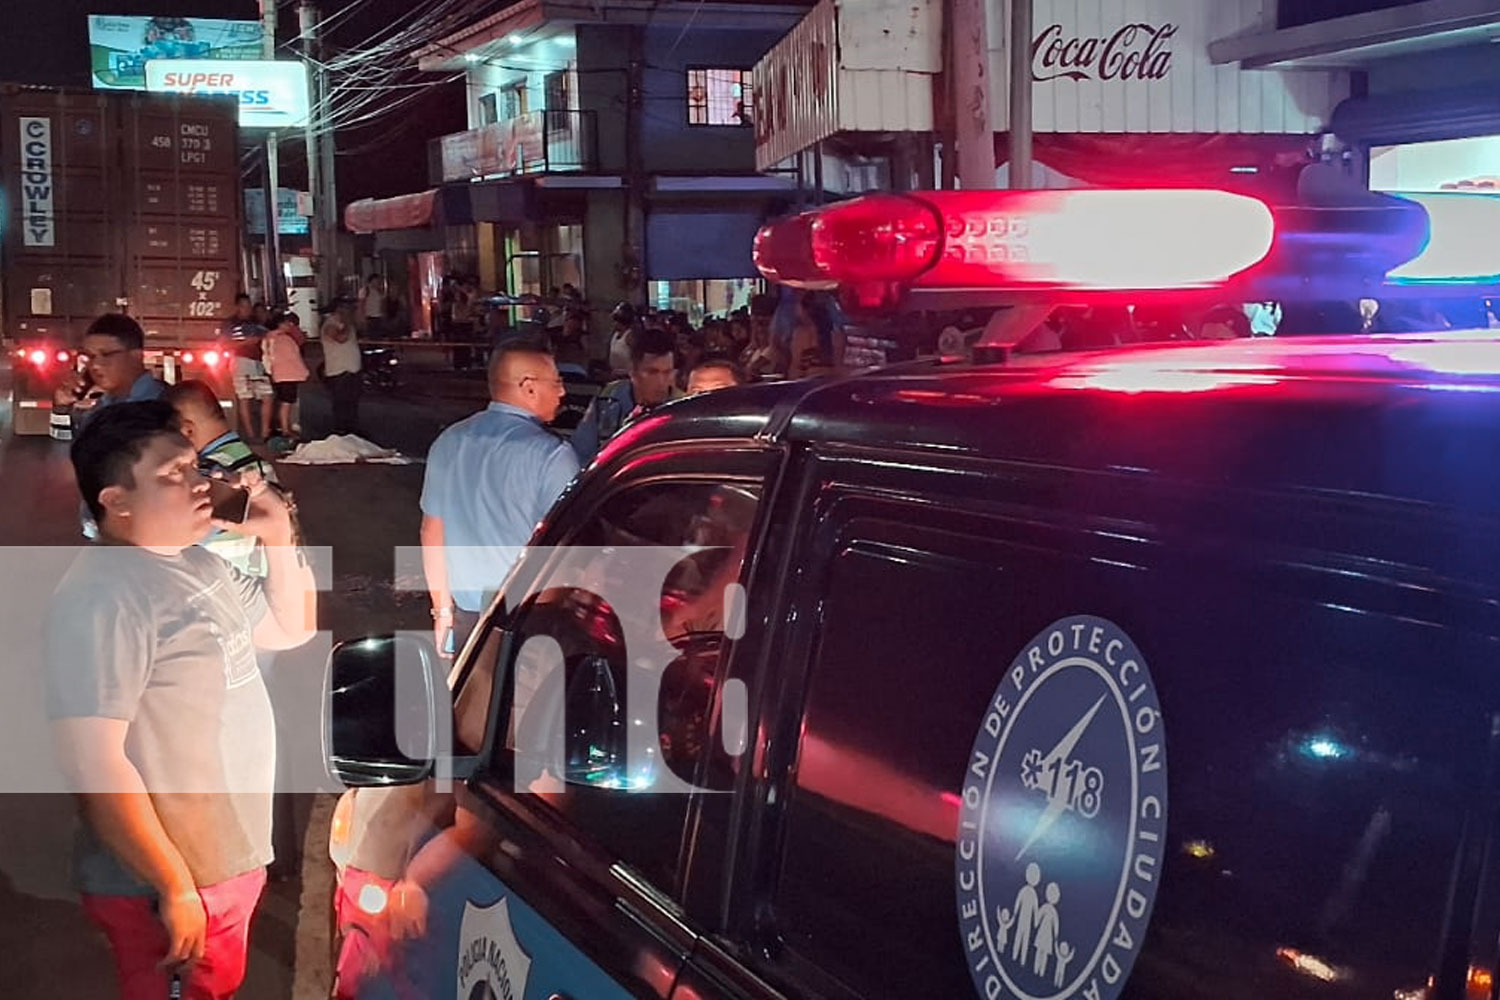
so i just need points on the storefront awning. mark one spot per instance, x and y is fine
(1353, 41)
(445, 206)
(1419, 116)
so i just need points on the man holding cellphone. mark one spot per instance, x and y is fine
(114, 352)
(159, 712)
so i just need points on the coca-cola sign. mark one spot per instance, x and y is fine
(1135, 52)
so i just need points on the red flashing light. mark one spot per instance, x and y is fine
(871, 240)
(38, 357)
(187, 357)
(212, 358)
(1087, 239)
(62, 357)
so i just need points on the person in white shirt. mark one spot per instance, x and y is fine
(341, 364)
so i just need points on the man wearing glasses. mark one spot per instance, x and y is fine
(490, 478)
(114, 372)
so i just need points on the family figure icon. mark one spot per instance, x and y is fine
(1036, 925)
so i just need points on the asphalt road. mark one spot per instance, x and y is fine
(360, 512)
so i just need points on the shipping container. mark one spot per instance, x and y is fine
(115, 202)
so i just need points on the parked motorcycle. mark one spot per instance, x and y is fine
(380, 369)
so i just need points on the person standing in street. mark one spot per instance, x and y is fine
(114, 372)
(652, 381)
(114, 352)
(713, 374)
(283, 357)
(252, 386)
(490, 478)
(341, 364)
(159, 713)
(224, 454)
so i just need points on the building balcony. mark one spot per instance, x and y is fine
(541, 142)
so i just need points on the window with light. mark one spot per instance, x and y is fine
(719, 97)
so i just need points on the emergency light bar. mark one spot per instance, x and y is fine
(1464, 246)
(1158, 239)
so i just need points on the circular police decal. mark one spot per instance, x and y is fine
(1062, 818)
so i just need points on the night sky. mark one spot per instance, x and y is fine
(46, 42)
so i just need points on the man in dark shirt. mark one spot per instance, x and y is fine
(653, 369)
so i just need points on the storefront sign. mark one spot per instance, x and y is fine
(292, 210)
(272, 94)
(514, 146)
(1143, 66)
(120, 47)
(1133, 52)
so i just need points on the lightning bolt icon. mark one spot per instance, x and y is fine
(1057, 797)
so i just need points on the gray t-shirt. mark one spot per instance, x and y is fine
(164, 643)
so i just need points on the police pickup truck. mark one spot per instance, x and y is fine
(1161, 672)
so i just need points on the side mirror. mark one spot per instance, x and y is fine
(595, 720)
(381, 717)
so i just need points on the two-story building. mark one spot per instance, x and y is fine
(611, 146)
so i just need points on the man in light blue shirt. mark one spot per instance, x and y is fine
(115, 348)
(490, 479)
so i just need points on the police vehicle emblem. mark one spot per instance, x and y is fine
(491, 964)
(1062, 818)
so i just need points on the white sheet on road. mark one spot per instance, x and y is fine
(343, 449)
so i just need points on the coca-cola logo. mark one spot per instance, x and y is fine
(1135, 52)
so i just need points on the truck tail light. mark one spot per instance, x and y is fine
(212, 358)
(38, 357)
(187, 357)
(63, 357)
(1085, 239)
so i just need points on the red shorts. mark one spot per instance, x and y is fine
(139, 941)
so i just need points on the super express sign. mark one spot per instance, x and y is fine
(271, 94)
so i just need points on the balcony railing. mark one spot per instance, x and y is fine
(541, 142)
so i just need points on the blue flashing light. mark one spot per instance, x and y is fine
(1325, 748)
(1462, 248)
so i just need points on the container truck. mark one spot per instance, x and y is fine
(115, 201)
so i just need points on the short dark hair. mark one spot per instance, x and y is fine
(650, 343)
(121, 327)
(513, 345)
(106, 450)
(735, 371)
(195, 394)
(242, 297)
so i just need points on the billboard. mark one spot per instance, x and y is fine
(120, 47)
(272, 94)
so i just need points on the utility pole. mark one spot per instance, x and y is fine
(972, 131)
(1020, 93)
(323, 257)
(274, 292)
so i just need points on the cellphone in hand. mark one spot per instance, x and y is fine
(231, 503)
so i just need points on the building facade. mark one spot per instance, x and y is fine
(611, 146)
(1123, 91)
